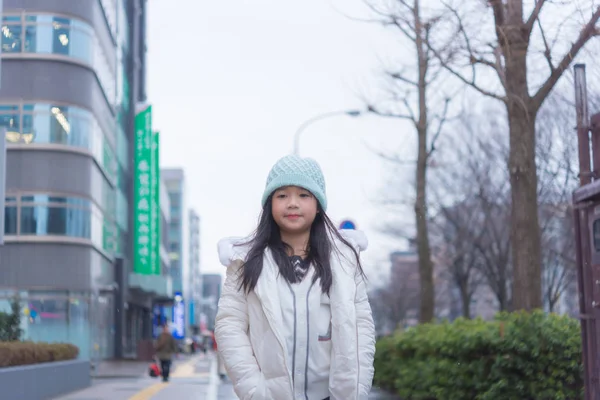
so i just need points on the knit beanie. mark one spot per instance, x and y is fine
(293, 170)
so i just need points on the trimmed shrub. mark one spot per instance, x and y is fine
(517, 356)
(26, 353)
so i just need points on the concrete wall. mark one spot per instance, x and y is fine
(44, 381)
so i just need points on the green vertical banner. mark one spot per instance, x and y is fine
(142, 246)
(155, 205)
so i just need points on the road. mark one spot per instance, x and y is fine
(195, 379)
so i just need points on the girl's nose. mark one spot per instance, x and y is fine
(293, 202)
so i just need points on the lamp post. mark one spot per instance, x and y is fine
(301, 128)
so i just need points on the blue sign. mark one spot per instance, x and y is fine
(178, 317)
(347, 224)
(192, 320)
(158, 320)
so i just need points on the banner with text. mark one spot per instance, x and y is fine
(155, 225)
(146, 260)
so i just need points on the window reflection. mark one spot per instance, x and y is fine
(11, 35)
(42, 214)
(10, 220)
(43, 220)
(47, 34)
(54, 35)
(53, 124)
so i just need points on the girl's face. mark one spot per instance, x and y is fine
(294, 209)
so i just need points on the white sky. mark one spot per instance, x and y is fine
(230, 82)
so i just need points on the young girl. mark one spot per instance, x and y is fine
(294, 320)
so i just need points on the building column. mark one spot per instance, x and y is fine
(120, 308)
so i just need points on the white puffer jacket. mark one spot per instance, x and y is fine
(250, 340)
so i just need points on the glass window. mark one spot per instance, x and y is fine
(43, 220)
(55, 35)
(10, 120)
(596, 234)
(122, 147)
(61, 39)
(12, 34)
(52, 124)
(10, 220)
(122, 209)
(47, 34)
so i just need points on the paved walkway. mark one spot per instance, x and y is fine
(194, 378)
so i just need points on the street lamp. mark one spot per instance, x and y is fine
(301, 128)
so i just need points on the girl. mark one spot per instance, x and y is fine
(294, 321)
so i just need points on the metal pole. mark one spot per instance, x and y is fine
(2, 156)
(296, 150)
(583, 128)
(2, 181)
(595, 133)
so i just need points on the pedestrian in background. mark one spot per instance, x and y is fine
(165, 348)
(294, 320)
(220, 367)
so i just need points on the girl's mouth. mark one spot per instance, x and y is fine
(292, 216)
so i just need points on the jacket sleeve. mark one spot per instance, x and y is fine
(365, 337)
(231, 333)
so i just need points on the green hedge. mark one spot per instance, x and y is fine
(25, 353)
(519, 356)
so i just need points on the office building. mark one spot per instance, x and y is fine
(72, 75)
(174, 179)
(195, 272)
(211, 292)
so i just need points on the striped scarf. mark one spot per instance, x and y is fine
(300, 268)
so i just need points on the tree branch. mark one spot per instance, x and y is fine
(401, 78)
(534, 16)
(586, 34)
(408, 117)
(438, 132)
(470, 82)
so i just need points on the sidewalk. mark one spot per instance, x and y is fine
(114, 369)
(194, 377)
(129, 380)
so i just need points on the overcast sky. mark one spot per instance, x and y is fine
(230, 82)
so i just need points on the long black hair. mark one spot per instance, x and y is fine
(320, 247)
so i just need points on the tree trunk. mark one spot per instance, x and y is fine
(427, 303)
(465, 298)
(525, 231)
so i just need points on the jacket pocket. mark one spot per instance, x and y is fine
(324, 324)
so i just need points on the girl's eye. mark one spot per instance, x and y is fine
(280, 196)
(305, 195)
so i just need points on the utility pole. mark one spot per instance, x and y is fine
(2, 180)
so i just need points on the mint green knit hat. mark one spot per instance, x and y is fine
(293, 170)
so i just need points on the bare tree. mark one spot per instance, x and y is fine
(395, 302)
(558, 254)
(411, 98)
(471, 54)
(459, 262)
(479, 212)
(475, 222)
(556, 155)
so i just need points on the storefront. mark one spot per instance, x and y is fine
(79, 318)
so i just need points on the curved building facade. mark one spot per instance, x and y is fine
(72, 72)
